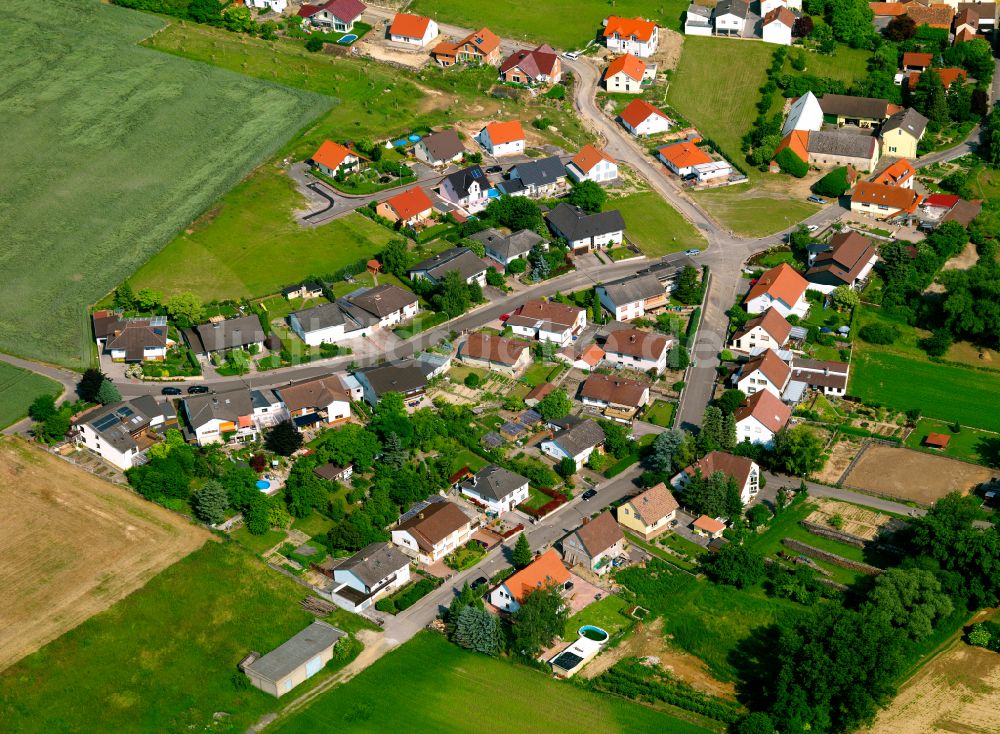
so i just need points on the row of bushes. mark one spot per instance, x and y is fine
(406, 598)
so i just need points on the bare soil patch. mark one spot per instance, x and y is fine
(71, 545)
(957, 692)
(913, 475)
(841, 456)
(963, 260)
(648, 640)
(668, 51)
(858, 521)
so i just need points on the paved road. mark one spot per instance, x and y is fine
(847, 495)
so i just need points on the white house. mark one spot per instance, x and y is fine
(848, 261)
(630, 298)
(731, 17)
(770, 330)
(777, 26)
(389, 304)
(766, 371)
(238, 415)
(698, 21)
(374, 572)
(548, 321)
(120, 433)
(433, 532)
(340, 15)
(505, 248)
(642, 118)
(830, 378)
(745, 471)
(468, 188)
(502, 138)
(440, 148)
(545, 571)
(324, 399)
(782, 288)
(592, 164)
(636, 36)
(637, 350)
(496, 488)
(804, 114)
(760, 417)
(576, 441)
(275, 6)
(584, 232)
(143, 339)
(413, 30)
(684, 157)
(626, 74)
(330, 323)
(333, 158)
(462, 260)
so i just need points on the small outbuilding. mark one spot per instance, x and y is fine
(937, 441)
(294, 661)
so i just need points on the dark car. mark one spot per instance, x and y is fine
(481, 581)
(197, 389)
(588, 494)
(171, 391)
(495, 169)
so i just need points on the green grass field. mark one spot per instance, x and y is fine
(941, 391)
(610, 614)
(660, 413)
(845, 63)
(109, 149)
(164, 658)
(579, 21)
(430, 685)
(752, 213)
(721, 106)
(18, 389)
(969, 444)
(656, 226)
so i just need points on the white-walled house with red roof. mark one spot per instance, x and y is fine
(592, 164)
(413, 30)
(636, 36)
(642, 118)
(340, 15)
(502, 138)
(760, 417)
(332, 158)
(782, 288)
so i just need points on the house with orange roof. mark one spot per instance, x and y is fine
(548, 321)
(798, 142)
(760, 417)
(636, 36)
(681, 158)
(890, 10)
(502, 138)
(586, 358)
(766, 371)
(481, 47)
(883, 202)
(948, 74)
(545, 571)
(413, 30)
(915, 61)
(709, 526)
(332, 158)
(899, 174)
(642, 118)
(412, 207)
(592, 164)
(936, 15)
(782, 288)
(626, 74)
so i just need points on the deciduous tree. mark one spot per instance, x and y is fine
(284, 439)
(540, 619)
(555, 405)
(588, 195)
(735, 565)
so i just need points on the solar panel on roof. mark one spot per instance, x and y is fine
(124, 412)
(476, 173)
(106, 422)
(157, 320)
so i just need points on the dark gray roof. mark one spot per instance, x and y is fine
(630, 290)
(669, 267)
(512, 186)
(495, 482)
(115, 423)
(375, 562)
(848, 106)
(575, 224)
(739, 8)
(320, 317)
(403, 376)
(136, 335)
(383, 300)
(461, 180)
(444, 146)
(295, 652)
(508, 246)
(579, 437)
(909, 120)
(542, 172)
(229, 334)
(461, 259)
(842, 144)
(226, 406)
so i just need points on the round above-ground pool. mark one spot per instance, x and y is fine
(263, 485)
(593, 633)
(414, 138)
(349, 38)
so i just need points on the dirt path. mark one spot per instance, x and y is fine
(71, 545)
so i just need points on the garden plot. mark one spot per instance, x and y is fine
(73, 545)
(842, 453)
(857, 521)
(913, 475)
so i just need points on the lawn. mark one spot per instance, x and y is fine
(258, 543)
(313, 524)
(660, 413)
(655, 226)
(981, 447)
(465, 556)
(109, 150)
(430, 685)
(18, 389)
(538, 373)
(721, 106)
(163, 658)
(609, 614)
(754, 213)
(845, 63)
(579, 21)
(465, 458)
(942, 391)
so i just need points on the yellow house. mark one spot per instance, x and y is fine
(649, 513)
(901, 134)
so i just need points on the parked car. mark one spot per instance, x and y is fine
(197, 389)
(588, 494)
(812, 227)
(689, 177)
(504, 316)
(495, 169)
(817, 200)
(481, 581)
(171, 391)
(692, 253)
(572, 54)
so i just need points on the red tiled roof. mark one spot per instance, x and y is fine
(331, 154)
(947, 74)
(887, 8)
(685, 154)
(537, 62)
(589, 156)
(628, 64)
(771, 366)
(935, 16)
(894, 197)
(617, 390)
(641, 28)
(772, 322)
(638, 110)
(636, 343)
(551, 312)
(767, 409)
(797, 141)
(943, 201)
(913, 58)
(497, 349)
(410, 203)
(781, 14)
(850, 253)
(409, 26)
(709, 525)
(782, 282)
(547, 569)
(937, 440)
(895, 175)
(737, 467)
(505, 132)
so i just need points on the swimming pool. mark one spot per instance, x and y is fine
(349, 38)
(263, 485)
(593, 633)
